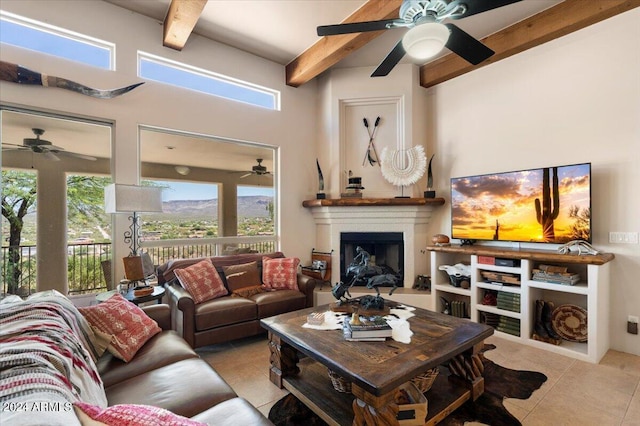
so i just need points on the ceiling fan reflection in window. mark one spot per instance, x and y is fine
(44, 147)
(427, 35)
(258, 170)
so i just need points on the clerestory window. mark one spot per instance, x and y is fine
(56, 41)
(182, 75)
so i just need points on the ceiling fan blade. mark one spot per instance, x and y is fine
(50, 155)
(357, 27)
(467, 47)
(246, 175)
(390, 61)
(479, 6)
(75, 154)
(14, 144)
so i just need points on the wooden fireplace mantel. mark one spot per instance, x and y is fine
(367, 202)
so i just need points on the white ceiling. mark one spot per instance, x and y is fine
(280, 30)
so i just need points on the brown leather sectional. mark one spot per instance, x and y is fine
(228, 318)
(166, 372)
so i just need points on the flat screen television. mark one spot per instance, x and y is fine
(545, 205)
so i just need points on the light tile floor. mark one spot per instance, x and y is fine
(575, 393)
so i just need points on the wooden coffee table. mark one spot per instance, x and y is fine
(376, 369)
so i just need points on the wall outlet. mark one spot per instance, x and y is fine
(632, 324)
(623, 237)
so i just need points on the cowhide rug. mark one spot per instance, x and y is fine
(499, 383)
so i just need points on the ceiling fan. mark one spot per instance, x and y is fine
(427, 35)
(44, 147)
(258, 170)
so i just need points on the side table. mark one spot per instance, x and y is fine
(157, 294)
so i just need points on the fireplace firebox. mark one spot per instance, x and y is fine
(385, 249)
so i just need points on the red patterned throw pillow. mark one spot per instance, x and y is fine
(129, 325)
(280, 273)
(202, 281)
(130, 414)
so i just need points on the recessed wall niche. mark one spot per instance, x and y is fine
(354, 141)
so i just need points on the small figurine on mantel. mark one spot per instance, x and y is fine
(430, 192)
(320, 195)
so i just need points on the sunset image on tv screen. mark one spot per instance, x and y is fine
(550, 205)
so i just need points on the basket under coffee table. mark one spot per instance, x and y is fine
(376, 369)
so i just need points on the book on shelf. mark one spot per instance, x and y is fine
(555, 275)
(459, 309)
(508, 295)
(509, 321)
(513, 332)
(512, 308)
(507, 328)
(370, 327)
(487, 260)
(513, 301)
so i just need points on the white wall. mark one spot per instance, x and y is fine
(293, 129)
(343, 133)
(573, 100)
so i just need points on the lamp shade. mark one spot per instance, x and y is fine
(120, 198)
(424, 41)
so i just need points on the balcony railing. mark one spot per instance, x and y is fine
(85, 274)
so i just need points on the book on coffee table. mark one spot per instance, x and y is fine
(346, 330)
(369, 327)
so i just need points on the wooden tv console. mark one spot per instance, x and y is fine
(591, 293)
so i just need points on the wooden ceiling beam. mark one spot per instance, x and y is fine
(329, 50)
(181, 18)
(552, 23)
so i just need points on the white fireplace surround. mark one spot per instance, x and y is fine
(411, 220)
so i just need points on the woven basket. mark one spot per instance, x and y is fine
(339, 383)
(425, 380)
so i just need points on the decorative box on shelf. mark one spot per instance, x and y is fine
(412, 405)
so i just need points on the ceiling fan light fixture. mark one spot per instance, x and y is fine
(426, 40)
(182, 170)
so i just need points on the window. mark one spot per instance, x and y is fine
(190, 210)
(214, 202)
(255, 210)
(41, 37)
(182, 75)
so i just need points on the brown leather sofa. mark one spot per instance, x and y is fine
(228, 318)
(166, 372)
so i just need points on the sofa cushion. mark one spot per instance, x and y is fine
(243, 280)
(166, 272)
(128, 414)
(202, 281)
(233, 412)
(224, 311)
(272, 303)
(128, 324)
(162, 349)
(185, 388)
(280, 274)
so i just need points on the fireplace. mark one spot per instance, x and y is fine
(385, 251)
(408, 217)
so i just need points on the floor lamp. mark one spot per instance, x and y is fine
(132, 199)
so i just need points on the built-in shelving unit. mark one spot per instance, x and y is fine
(591, 293)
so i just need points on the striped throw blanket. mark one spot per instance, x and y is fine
(47, 359)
